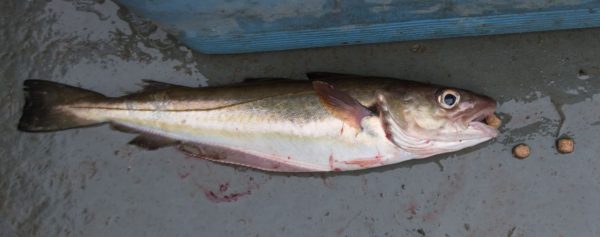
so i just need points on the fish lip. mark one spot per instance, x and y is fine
(476, 121)
(482, 114)
(487, 130)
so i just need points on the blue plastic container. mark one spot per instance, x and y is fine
(241, 26)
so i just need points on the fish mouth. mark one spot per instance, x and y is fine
(477, 122)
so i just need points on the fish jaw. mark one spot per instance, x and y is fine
(487, 131)
(423, 147)
(476, 128)
(473, 119)
(441, 147)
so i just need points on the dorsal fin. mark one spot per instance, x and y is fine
(252, 80)
(325, 75)
(152, 85)
(341, 104)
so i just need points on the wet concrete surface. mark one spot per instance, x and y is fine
(89, 182)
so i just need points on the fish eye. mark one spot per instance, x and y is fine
(448, 99)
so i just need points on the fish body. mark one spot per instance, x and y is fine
(332, 122)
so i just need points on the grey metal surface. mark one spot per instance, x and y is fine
(88, 182)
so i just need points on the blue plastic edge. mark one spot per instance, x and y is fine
(397, 31)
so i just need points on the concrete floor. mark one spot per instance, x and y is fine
(88, 182)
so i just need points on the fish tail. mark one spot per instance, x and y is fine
(43, 106)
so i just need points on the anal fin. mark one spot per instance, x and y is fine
(123, 128)
(152, 142)
(249, 159)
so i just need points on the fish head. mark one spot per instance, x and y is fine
(428, 120)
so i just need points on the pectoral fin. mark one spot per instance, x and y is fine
(340, 104)
(385, 116)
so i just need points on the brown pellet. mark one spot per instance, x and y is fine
(493, 121)
(565, 145)
(521, 151)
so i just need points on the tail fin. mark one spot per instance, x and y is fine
(42, 112)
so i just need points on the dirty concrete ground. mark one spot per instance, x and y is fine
(88, 182)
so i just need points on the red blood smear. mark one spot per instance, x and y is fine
(184, 175)
(223, 187)
(412, 209)
(363, 163)
(211, 196)
(331, 162)
(222, 196)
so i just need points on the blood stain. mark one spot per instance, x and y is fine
(331, 162)
(232, 197)
(223, 187)
(412, 208)
(221, 195)
(183, 175)
(326, 181)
